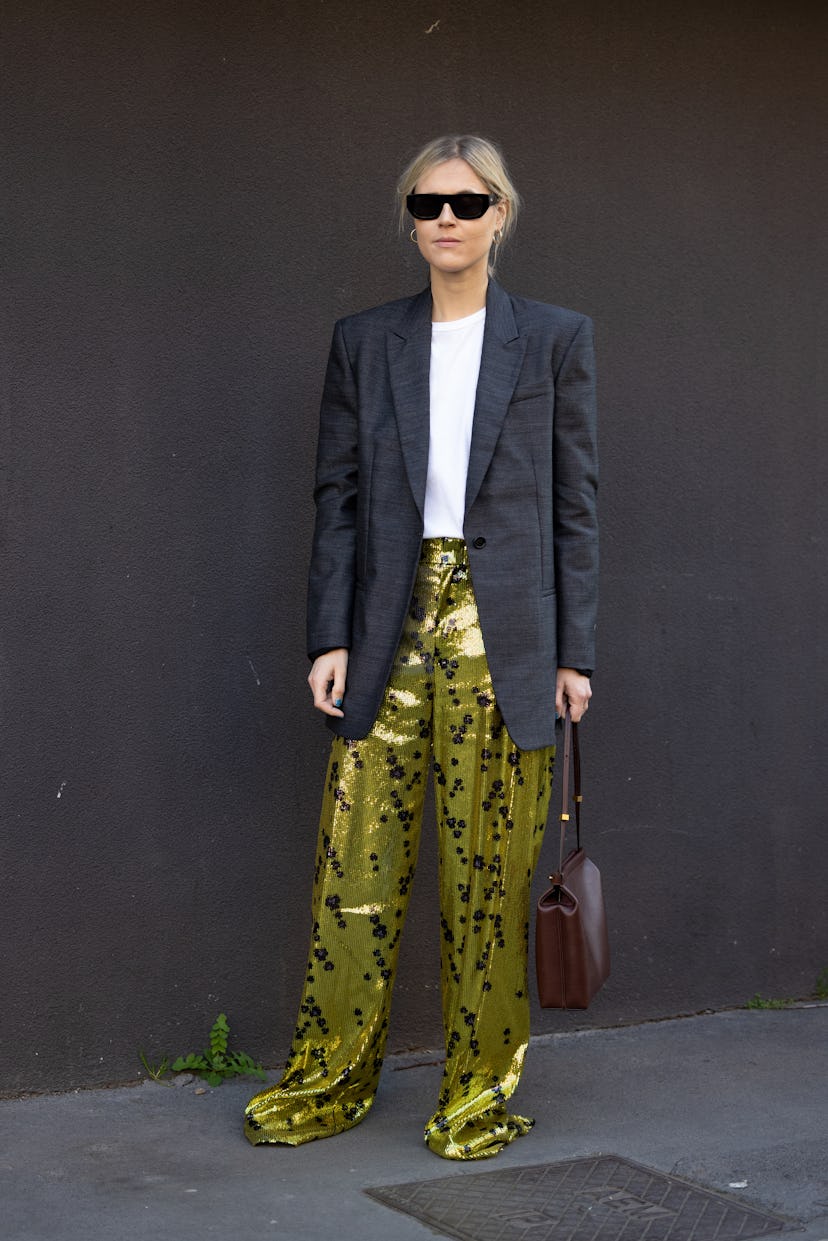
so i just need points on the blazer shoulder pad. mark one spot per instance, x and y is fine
(531, 314)
(388, 314)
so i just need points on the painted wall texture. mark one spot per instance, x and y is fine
(193, 194)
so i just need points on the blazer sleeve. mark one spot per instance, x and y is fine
(333, 553)
(575, 481)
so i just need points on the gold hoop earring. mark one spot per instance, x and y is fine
(497, 236)
(413, 236)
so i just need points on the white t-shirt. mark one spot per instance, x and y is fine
(456, 348)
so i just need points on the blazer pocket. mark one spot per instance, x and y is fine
(532, 392)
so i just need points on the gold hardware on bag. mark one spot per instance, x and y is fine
(564, 818)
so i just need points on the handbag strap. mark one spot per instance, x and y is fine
(571, 758)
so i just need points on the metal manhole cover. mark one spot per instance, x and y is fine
(598, 1199)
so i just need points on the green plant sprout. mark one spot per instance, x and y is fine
(156, 1071)
(214, 1065)
(759, 1001)
(820, 992)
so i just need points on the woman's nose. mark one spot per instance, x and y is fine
(447, 216)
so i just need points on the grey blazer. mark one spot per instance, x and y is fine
(530, 516)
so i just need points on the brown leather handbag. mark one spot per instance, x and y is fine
(571, 943)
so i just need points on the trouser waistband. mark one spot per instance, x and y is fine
(437, 552)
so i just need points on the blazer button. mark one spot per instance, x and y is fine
(479, 541)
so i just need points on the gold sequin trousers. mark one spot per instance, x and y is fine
(492, 799)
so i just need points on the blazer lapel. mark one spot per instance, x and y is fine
(409, 360)
(503, 350)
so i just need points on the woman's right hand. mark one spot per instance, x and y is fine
(327, 680)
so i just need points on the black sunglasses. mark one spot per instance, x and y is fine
(464, 206)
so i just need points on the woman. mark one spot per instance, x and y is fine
(451, 614)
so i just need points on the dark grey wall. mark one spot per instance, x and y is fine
(194, 193)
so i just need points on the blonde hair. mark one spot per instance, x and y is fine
(481, 155)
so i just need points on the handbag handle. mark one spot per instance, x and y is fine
(572, 751)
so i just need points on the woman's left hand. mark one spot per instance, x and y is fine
(574, 691)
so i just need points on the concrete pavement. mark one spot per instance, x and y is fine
(738, 1098)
